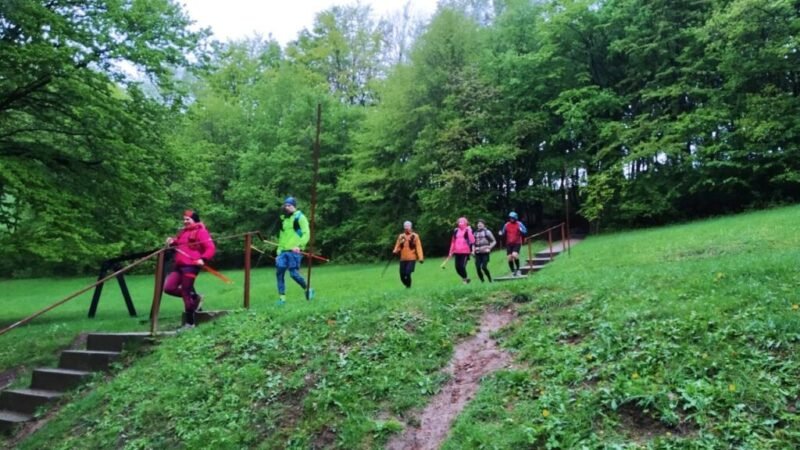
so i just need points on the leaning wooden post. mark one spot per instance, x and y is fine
(157, 290)
(248, 243)
(550, 241)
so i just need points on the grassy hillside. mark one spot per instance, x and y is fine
(679, 337)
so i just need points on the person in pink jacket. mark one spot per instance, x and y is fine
(193, 247)
(461, 244)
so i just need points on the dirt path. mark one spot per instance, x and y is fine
(473, 359)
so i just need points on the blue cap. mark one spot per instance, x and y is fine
(513, 215)
(290, 201)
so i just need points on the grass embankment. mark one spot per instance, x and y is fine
(681, 337)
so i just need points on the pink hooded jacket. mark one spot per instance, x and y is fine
(193, 242)
(462, 241)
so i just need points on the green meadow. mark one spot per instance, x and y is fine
(667, 338)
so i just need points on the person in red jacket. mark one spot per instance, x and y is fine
(193, 247)
(514, 232)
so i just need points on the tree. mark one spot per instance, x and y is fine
(78, 137)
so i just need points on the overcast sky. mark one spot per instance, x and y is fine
(236, 19)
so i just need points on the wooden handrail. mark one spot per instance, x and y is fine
(81, 291)
(529, 238)
(104, 279)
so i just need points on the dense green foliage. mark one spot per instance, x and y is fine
(621, 112)
(81, 143)
(680, 337)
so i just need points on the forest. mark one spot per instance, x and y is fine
(115, 116)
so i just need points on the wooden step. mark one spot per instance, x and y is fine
(510, 278)
(58, 379)
(545, 254)
(10, 420)
(88, 360)
(26, 401)
(204, 316)
(538, 261)
(113, 342)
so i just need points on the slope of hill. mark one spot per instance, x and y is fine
(677, 337)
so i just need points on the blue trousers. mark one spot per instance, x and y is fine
(288, 261)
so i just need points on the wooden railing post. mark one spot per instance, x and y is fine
(157, 292)
(248, 244)
(550, 241)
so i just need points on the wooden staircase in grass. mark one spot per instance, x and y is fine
(540, 260)
(18, 406)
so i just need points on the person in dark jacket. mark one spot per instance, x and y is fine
(514, 232)
(193, 247)
(484, 243)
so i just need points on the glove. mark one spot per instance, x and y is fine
(422, 261)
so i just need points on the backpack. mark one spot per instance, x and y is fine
(295, 223)
(412, 241)
(466, 236)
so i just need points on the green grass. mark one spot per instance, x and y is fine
(678, 337)
(38, 342)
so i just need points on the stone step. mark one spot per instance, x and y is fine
(546, 254)
(528, 269)
(538, 261)
(204, 316)
(10, 420)
(88, 360)
(510, 278)
(113, 342)
(26, 401)
(57, 379)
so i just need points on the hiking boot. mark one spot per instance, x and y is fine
(518, 273)
(310, 294)
(186, 327)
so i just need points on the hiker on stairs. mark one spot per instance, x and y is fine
(461, 244)
(409, 247)
(193, 247)
(293, 236)
(484, 242)
(514, 232)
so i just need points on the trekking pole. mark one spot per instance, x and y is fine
(275, 244)
(388, 263)
(208, 269)
(444, 263)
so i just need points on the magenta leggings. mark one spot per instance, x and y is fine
(180, 283)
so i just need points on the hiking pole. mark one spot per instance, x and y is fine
(208, 269)
(389, 262)
(444, 263)
(321, 258)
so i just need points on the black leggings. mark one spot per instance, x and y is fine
(481, 263)
(406, 269)
(461, 265)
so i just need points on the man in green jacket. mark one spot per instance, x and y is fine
(292, 239)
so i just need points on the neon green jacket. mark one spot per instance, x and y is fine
(291, 236)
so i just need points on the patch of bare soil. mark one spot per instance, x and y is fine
(473, 359)
(642, 427)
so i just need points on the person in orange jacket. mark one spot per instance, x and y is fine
(409, 247)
